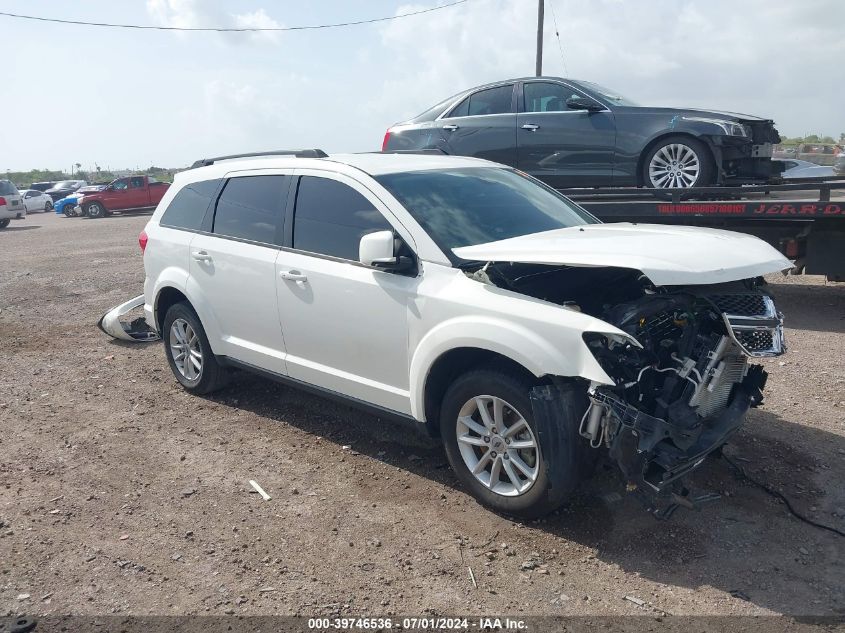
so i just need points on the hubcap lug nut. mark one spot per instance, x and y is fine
(494, 430)
(507, 440)
(494, 454)
(486, 439)
(506, 456)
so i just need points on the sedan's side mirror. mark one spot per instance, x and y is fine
(577, 103)
(379, 251)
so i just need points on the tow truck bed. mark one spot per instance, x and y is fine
(804, 218)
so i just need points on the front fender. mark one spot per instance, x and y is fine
(568, 355)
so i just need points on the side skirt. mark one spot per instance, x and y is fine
(372, 409)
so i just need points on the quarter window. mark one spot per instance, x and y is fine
(490, 101)
(250, 208)
(188, 207)
(331, 218)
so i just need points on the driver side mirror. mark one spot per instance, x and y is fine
(579, 103)
(379, 251)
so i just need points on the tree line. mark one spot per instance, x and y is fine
(26, 178)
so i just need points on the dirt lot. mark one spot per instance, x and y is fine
(119, 493)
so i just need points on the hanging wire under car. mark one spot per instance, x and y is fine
(779, 495)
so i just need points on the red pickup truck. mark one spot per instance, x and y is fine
(132, 193)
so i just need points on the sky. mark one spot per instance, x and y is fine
(130, 99)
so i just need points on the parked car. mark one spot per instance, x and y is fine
(839, 165)
(42, 186)
(794, 168)
(576, 133)
(64, 188)
(70, 204)
(35, 200)
(472, 299)
(818, 153)
(11, 204)
(133, 193)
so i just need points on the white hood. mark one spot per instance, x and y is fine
(668, 255)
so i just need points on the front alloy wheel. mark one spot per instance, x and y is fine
(497, 445)
(675, 165)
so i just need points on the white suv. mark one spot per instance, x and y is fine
(473, 299)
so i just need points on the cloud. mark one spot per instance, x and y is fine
(196, 14)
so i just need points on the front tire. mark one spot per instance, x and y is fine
(493, 445)
(95, 210)
(188, 351)
(678, 162)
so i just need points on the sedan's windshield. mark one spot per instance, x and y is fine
(475, 205)
(65, 184)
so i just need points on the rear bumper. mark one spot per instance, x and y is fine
(13, 214)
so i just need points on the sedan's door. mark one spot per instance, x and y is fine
(232, 269)
(345, 324)
(30, 200)
(483, 125)
(562, 146)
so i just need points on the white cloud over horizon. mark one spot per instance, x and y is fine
(135, 98)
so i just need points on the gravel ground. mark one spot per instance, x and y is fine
(119, 493)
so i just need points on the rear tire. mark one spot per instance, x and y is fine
(505, 396)
(188, 351)
(48, 207)
(95, 210)
(4, 223)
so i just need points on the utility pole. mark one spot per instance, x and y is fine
(540, 9)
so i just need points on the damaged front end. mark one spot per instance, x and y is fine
(686, 391)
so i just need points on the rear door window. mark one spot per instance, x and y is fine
(250, 208)
(331, 217)
(496, 100)
(188, 207)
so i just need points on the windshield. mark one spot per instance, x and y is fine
(7, 188)
(65, 184)
(475, 205)
(609, 95)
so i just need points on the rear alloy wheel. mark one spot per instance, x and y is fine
(95, 210)
(4, 223)
(188, 351)
(678, 163)
(48, 207)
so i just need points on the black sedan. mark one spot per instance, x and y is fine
(64, 188)
(578, 134)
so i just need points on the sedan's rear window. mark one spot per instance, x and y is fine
(475, 205)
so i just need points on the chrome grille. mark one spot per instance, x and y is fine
(756, 340)
(741, 305)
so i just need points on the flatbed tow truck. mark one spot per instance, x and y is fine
(803, 218)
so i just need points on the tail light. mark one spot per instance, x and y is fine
(385, 141)
(2, 200)
(142, 241)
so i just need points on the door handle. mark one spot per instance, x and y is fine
(292, 275)
(530, 127)
(201, 256)
(451, 127)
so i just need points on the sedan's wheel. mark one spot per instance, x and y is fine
(493, 445)
(678, 162)
(497, 445)
(4, 223)
(95, 210)
(188, 351)
(48, 206)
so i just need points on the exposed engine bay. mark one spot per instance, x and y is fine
(679, 396)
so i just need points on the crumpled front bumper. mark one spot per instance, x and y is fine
(647, 448)
(136, 331)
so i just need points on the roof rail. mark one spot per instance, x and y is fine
(299, 153)
(428, 150)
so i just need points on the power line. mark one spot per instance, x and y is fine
(228, 29)
(557, 32)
